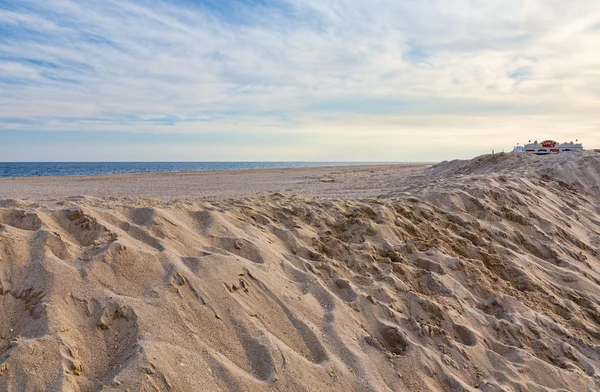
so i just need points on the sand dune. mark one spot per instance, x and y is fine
(473, 275)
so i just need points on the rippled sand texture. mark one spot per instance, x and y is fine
(475, 275)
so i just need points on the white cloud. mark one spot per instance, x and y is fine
(326, 70)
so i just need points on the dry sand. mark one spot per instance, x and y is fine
(469, 275)
(342, 181)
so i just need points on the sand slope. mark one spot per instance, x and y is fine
(477, 275)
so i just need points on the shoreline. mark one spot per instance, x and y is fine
(207, 172)
(319, 181)
(89, 169)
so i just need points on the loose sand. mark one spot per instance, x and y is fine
(469, 275)
(342, 181)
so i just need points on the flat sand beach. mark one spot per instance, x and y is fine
(478, 275)
(328, 181)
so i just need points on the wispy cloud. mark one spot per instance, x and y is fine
(320, 72)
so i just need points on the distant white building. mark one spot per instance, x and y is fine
(548, 147)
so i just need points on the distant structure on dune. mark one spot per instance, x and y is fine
(548, 147)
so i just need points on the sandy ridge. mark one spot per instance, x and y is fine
(470, 275)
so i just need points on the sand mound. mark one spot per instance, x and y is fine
(484, 275)
(580, 170)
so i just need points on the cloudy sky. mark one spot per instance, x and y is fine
(337, 80)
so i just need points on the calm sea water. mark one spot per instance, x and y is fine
(37, 169)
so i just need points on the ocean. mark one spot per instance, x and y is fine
(41, 169)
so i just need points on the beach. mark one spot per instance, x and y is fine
(476, 275)
(329, 181)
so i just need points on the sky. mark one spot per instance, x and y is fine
(294, 80)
